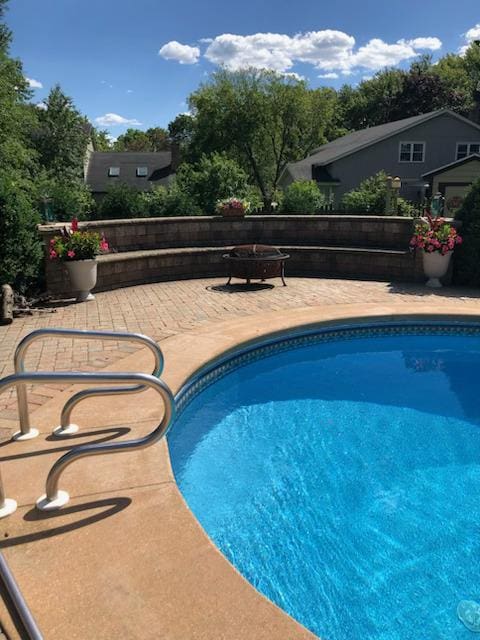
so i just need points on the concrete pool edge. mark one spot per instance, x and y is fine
(186, 354)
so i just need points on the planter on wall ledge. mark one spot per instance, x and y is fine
(233, 212)
(83, 277)
(435, 266)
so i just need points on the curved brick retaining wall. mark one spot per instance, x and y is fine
(154, 249)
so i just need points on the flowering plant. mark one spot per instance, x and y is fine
(435, 234)
(73, 244)
(243, 206)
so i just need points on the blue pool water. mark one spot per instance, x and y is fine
(342, 479)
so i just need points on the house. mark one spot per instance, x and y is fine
(454, 179)
(413, 149)
(142, 170)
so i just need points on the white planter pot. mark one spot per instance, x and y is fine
(83, 276)
(435, 266)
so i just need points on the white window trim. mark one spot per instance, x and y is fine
(411, 142)
(113, 175)
(142, 175)
(468, 149)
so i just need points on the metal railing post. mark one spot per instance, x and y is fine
(18, 601)
(7, 505)
(26, 430)
(54, 498)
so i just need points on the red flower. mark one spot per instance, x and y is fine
(74, 224)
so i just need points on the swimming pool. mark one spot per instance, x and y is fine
(339, 471)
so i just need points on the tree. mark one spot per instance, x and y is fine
(371, 197)
(158, 139)
(17, 117)
(393, 94)
(132, 140)
(20, 248)
(303, 196)
(101, 140)
(467, 255)
(181, 128)
(153, 139)
(262, 119)
(211, 179)
(120, 201)
(62, 137)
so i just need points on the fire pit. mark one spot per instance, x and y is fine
(256, 262)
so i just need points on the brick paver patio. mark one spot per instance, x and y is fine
(167, 308)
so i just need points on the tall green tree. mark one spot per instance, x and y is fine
(153, 139)
(62, 136)
(262, 119)
(17, 116)
(101, 140)
(20, 249)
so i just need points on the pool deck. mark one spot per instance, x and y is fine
(126, 558)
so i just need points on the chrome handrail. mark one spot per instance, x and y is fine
(26, 430)
(54, 498)
(21, 608)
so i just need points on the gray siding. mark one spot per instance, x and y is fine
(440, 134)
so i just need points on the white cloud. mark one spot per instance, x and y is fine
(41, 105)
(329, 50)
(182, 53)
(329, 76)
(129, 90)
(34, 84)
(111, 138)
(471, 35)
(433, 44)
(113, 119)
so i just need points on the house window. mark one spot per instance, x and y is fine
(412, 152)
(113, 172)
(142, 172)
(465, 149)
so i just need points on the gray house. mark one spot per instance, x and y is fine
(141, 170)
(412, 149)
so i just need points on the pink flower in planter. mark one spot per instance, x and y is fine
(53, 254)
(103, 244)
(71, 253)
(74, 224)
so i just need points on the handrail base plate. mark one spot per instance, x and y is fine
(60, 431)
(18, 436)
(44, 504)
(9, 506)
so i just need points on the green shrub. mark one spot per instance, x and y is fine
(371, 197)
(168, 201)
(213, 178)
(466, 258)
(120, 201)
(303, 196)
(20, 247)
(68, 199)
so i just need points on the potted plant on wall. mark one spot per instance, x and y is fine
(78, 250)
(437, 239)
(233, 207)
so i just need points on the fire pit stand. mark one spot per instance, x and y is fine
(256, 262)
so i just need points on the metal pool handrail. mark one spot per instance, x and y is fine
(21, 608)
(54, 499)
(26, 431)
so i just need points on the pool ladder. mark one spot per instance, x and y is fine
(109, 384)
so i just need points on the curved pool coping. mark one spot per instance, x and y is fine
(240, 610)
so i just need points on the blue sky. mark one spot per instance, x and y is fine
(105, 53)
